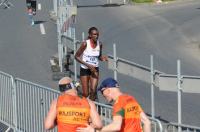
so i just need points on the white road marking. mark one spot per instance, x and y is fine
(39, 6)
(42, 29)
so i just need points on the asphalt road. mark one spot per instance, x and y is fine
(168, 31)
(24, 51)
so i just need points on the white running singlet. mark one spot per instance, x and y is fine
(90, 55)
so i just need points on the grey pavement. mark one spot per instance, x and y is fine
(168, 31)
(24, 51)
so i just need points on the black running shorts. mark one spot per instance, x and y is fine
(87, 72)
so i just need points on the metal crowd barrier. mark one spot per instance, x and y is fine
(6, 98)
(156, 125)
(173, 127)
(30, 102)
(6, 3)
(5, 127)
(105, 112)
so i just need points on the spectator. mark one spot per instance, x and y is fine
(30, 15)
(89, 54)
(127, 113)
(70, 111)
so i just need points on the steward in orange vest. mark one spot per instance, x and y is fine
(69, 111)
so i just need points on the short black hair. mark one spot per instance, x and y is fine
(91, 29)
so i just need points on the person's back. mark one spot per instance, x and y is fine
(130, 110)
(72, 112)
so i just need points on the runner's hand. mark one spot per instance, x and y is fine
(92, 68)
(104, 58)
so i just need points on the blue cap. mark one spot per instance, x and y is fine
(108, 83)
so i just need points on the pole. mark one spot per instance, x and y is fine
(115, 61)
(124, 2)
(71, 2)
(59, 43)
(179, 93)
(152, 88)
(55, 7)
(14, 98)
(83, 36)
(74, 41)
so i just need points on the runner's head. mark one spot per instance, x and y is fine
(93, 34)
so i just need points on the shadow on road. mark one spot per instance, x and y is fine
(39, 22)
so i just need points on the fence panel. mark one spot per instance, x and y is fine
(105, 112)
(190, 84)
(33, 102)
(132, 69)
(156, 125)
(173, 127)
(6, 101)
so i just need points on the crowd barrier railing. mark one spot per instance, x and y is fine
(6, 98)
(105, 112)
(30, 102)
(156, 125)
(173, 127)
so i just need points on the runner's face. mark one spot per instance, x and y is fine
(94, 35)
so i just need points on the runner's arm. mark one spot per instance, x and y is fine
(50, 121)
(102, 57)
(95, 118)
(146, 122)
(79, 52)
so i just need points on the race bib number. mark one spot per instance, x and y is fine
(92, 60)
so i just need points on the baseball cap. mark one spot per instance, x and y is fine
(108, 83)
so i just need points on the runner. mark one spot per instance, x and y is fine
(30, 15)
(31, 10)
(89, 54)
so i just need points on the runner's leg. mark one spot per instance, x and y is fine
(85, 87)
(94, 78)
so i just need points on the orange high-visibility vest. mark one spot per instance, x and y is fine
(72, 112)
(127, 107)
